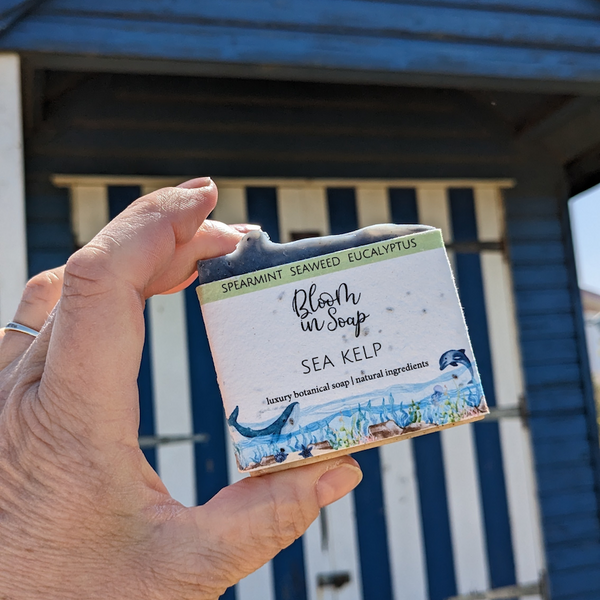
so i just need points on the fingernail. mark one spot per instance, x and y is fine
(246, 227)
(198, 182)
(336, 483)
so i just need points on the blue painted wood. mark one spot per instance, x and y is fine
(409, 54)
(341, 204)
(372, 529)
(569, 557)
(537, 253)
(551, 453)
(536, 229)
(262, 209)
(207, 407)
(12, 11)
(578, 528)
(577, 580)
(433, 500)
(368, 497)
(50, 235)
(387, 19)
(549, 351)
(573, 476)
(545, 277)
(537, 375)
(561, 398)
(487, 435)
(568, 503)
(403, 205)
(538, 327)
(559, 427)
(119, 198)
(288, 566)
(550, 301)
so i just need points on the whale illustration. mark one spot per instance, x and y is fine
(286, 420)
(454, 358)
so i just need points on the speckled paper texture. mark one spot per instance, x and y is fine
(341, 351)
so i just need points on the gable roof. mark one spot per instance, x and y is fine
(503, 44)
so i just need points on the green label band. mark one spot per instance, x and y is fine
(319, 265)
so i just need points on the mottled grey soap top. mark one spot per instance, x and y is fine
(256, 251)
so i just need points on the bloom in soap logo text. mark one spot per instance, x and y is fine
(308, 306)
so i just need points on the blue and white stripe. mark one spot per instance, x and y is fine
(437, 516)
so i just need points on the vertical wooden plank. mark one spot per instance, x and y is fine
(13, 245)
(459, 454)
(403, 205)
(301, 210)
(172, 398)
(231, 208)
(432, 205)
(398, 476)
(403, 515)
(89, 211)
(289, 572)
(372, 205)
(487, 435)
(231, 205)
(516, 445)
(330, 544)
(464, 504)
(371, 526)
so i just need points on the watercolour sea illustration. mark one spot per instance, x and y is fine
(392, 412)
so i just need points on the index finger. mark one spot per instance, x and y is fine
(95, 350)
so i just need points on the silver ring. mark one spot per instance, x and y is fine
(12, 326)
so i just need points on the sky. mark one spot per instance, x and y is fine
(585, 222)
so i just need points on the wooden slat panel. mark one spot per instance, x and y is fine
(572, 477)
(222, 44)
(574, 530)
(352, 18)
(540, 277)
(516, 444)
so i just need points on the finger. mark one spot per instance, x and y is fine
(252, 520)
(97, 339)
(39, 298)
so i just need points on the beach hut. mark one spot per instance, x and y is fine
(481, 117)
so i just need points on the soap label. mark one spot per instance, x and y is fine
(340, 351)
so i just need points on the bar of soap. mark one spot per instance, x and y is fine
(331, 345)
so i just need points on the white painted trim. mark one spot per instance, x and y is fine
(231, 206)
(372, 205)
(465, 509)
(340, 553)
(66, 180)
(404, 524)
(89, 211)
(172, 395)
(301, 210)
(13, 240)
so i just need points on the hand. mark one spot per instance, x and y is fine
(82, 514)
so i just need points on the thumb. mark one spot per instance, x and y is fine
(252, 520)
